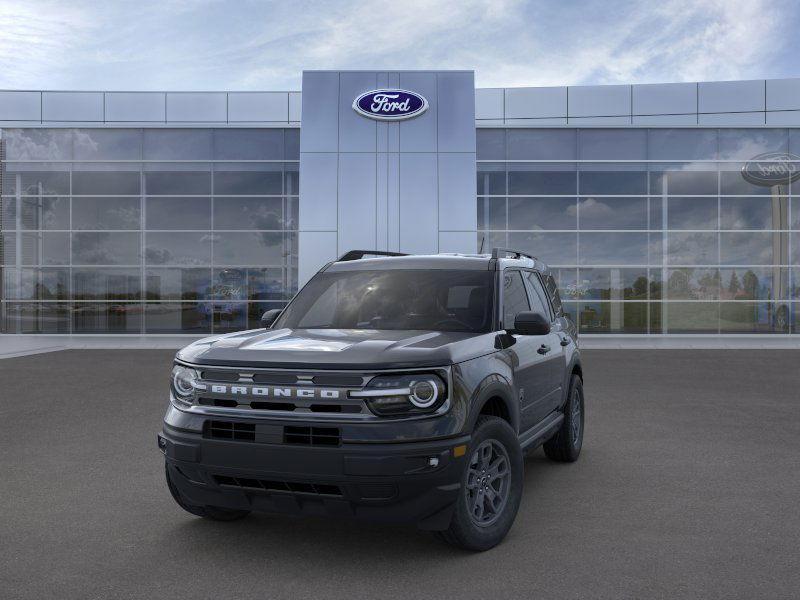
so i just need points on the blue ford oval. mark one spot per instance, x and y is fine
(390, 105)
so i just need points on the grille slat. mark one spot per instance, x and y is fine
(293, 487)
(228, 430)
(312, 436)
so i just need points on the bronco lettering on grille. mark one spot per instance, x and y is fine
(275, 392)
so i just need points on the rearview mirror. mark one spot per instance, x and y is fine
(531, 323)
(268, 318)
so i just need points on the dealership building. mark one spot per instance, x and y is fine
(663, 209)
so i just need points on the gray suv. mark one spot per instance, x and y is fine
(394, 388)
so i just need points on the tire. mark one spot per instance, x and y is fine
(565, 445)
(215, 513)
(479, 532)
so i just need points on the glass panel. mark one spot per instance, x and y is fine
(37, 284)
(541, 144)
(746, 144)
(178, 144)
(613, 182)
(8, 248)
(795, 256)
(44, 212)
(656, 309)
(656, 213)
(177, 284)
(104, 248)
(794, 286)
(253, 248)
(291, 179)
(107, 144)
(732, 182)
(613, 317)
(612, 213)
(229, 316)
(692, 213)
(107, 318)
(613, 248)
(178, 248)
(248, 213)
(526, 180)
(613, 284)
(754, 283)
(612, 144)
(491, 179)
(291, 144)
(541, 213)
(692, 248)
(250, 182)
(248, 144)
(175, 317)
(34, 317)
(267, 284)
(682, 144)
(693, 284)
(256, 309)
(492, 213)
(117, 183)
(105, 213)
(490, 144)
(566, 281)
(754, 213)
(8, 213)
(749, 317)
(571, 311)
(552, 248)
(515, 298)
(750, 248)
(36, 183)
(676, 181)
(178, 183)
(106, 284)
(691, 317)
(38, 144)
(174, 212)
(45, 248)
(291, 213)
(656, 284)
(795, 221)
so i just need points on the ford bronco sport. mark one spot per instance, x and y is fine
(392, 387)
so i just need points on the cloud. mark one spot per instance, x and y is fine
(211, 44)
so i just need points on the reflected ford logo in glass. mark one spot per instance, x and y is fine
(772, 168)
(390, 105)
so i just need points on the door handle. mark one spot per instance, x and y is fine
(543, 349)
(565, 341)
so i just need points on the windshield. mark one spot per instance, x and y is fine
(435, 300)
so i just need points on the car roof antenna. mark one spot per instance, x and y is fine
(483, 239)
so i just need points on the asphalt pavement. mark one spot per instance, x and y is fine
(687, 487)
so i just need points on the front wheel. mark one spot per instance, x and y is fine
(565, 445)
(491, 488)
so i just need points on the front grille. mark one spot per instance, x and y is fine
(228, 430)
(292, 487)
(312, 436)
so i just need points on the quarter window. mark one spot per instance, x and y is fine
(515, 299)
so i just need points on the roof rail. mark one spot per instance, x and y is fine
(359, 254)
(504, 252)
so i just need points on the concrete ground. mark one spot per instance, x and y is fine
(688, 487)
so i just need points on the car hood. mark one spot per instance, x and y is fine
(337, 348)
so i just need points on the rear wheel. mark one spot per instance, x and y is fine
(565, 445)
(215, 513)
(491, 488)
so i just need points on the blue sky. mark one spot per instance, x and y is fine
(253, 45)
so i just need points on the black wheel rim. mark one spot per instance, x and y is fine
(488, 482)
(576, 419)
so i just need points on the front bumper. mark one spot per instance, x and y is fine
(407, 482)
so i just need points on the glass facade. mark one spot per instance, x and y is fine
(649, 230)
(146, 230)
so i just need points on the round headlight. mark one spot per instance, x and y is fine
(423, 393)
(183, 380)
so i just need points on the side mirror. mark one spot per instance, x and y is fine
(531, 323)
(268, 318)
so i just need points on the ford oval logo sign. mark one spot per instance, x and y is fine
(390, 105)
(772, 168)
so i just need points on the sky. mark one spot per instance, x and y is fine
(265, 45)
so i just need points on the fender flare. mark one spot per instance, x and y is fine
(494, 386)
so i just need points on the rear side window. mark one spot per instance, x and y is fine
(538, 297)
(515, 298)
(555, 298)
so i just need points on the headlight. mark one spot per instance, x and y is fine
(183, 382)
(398, 395)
